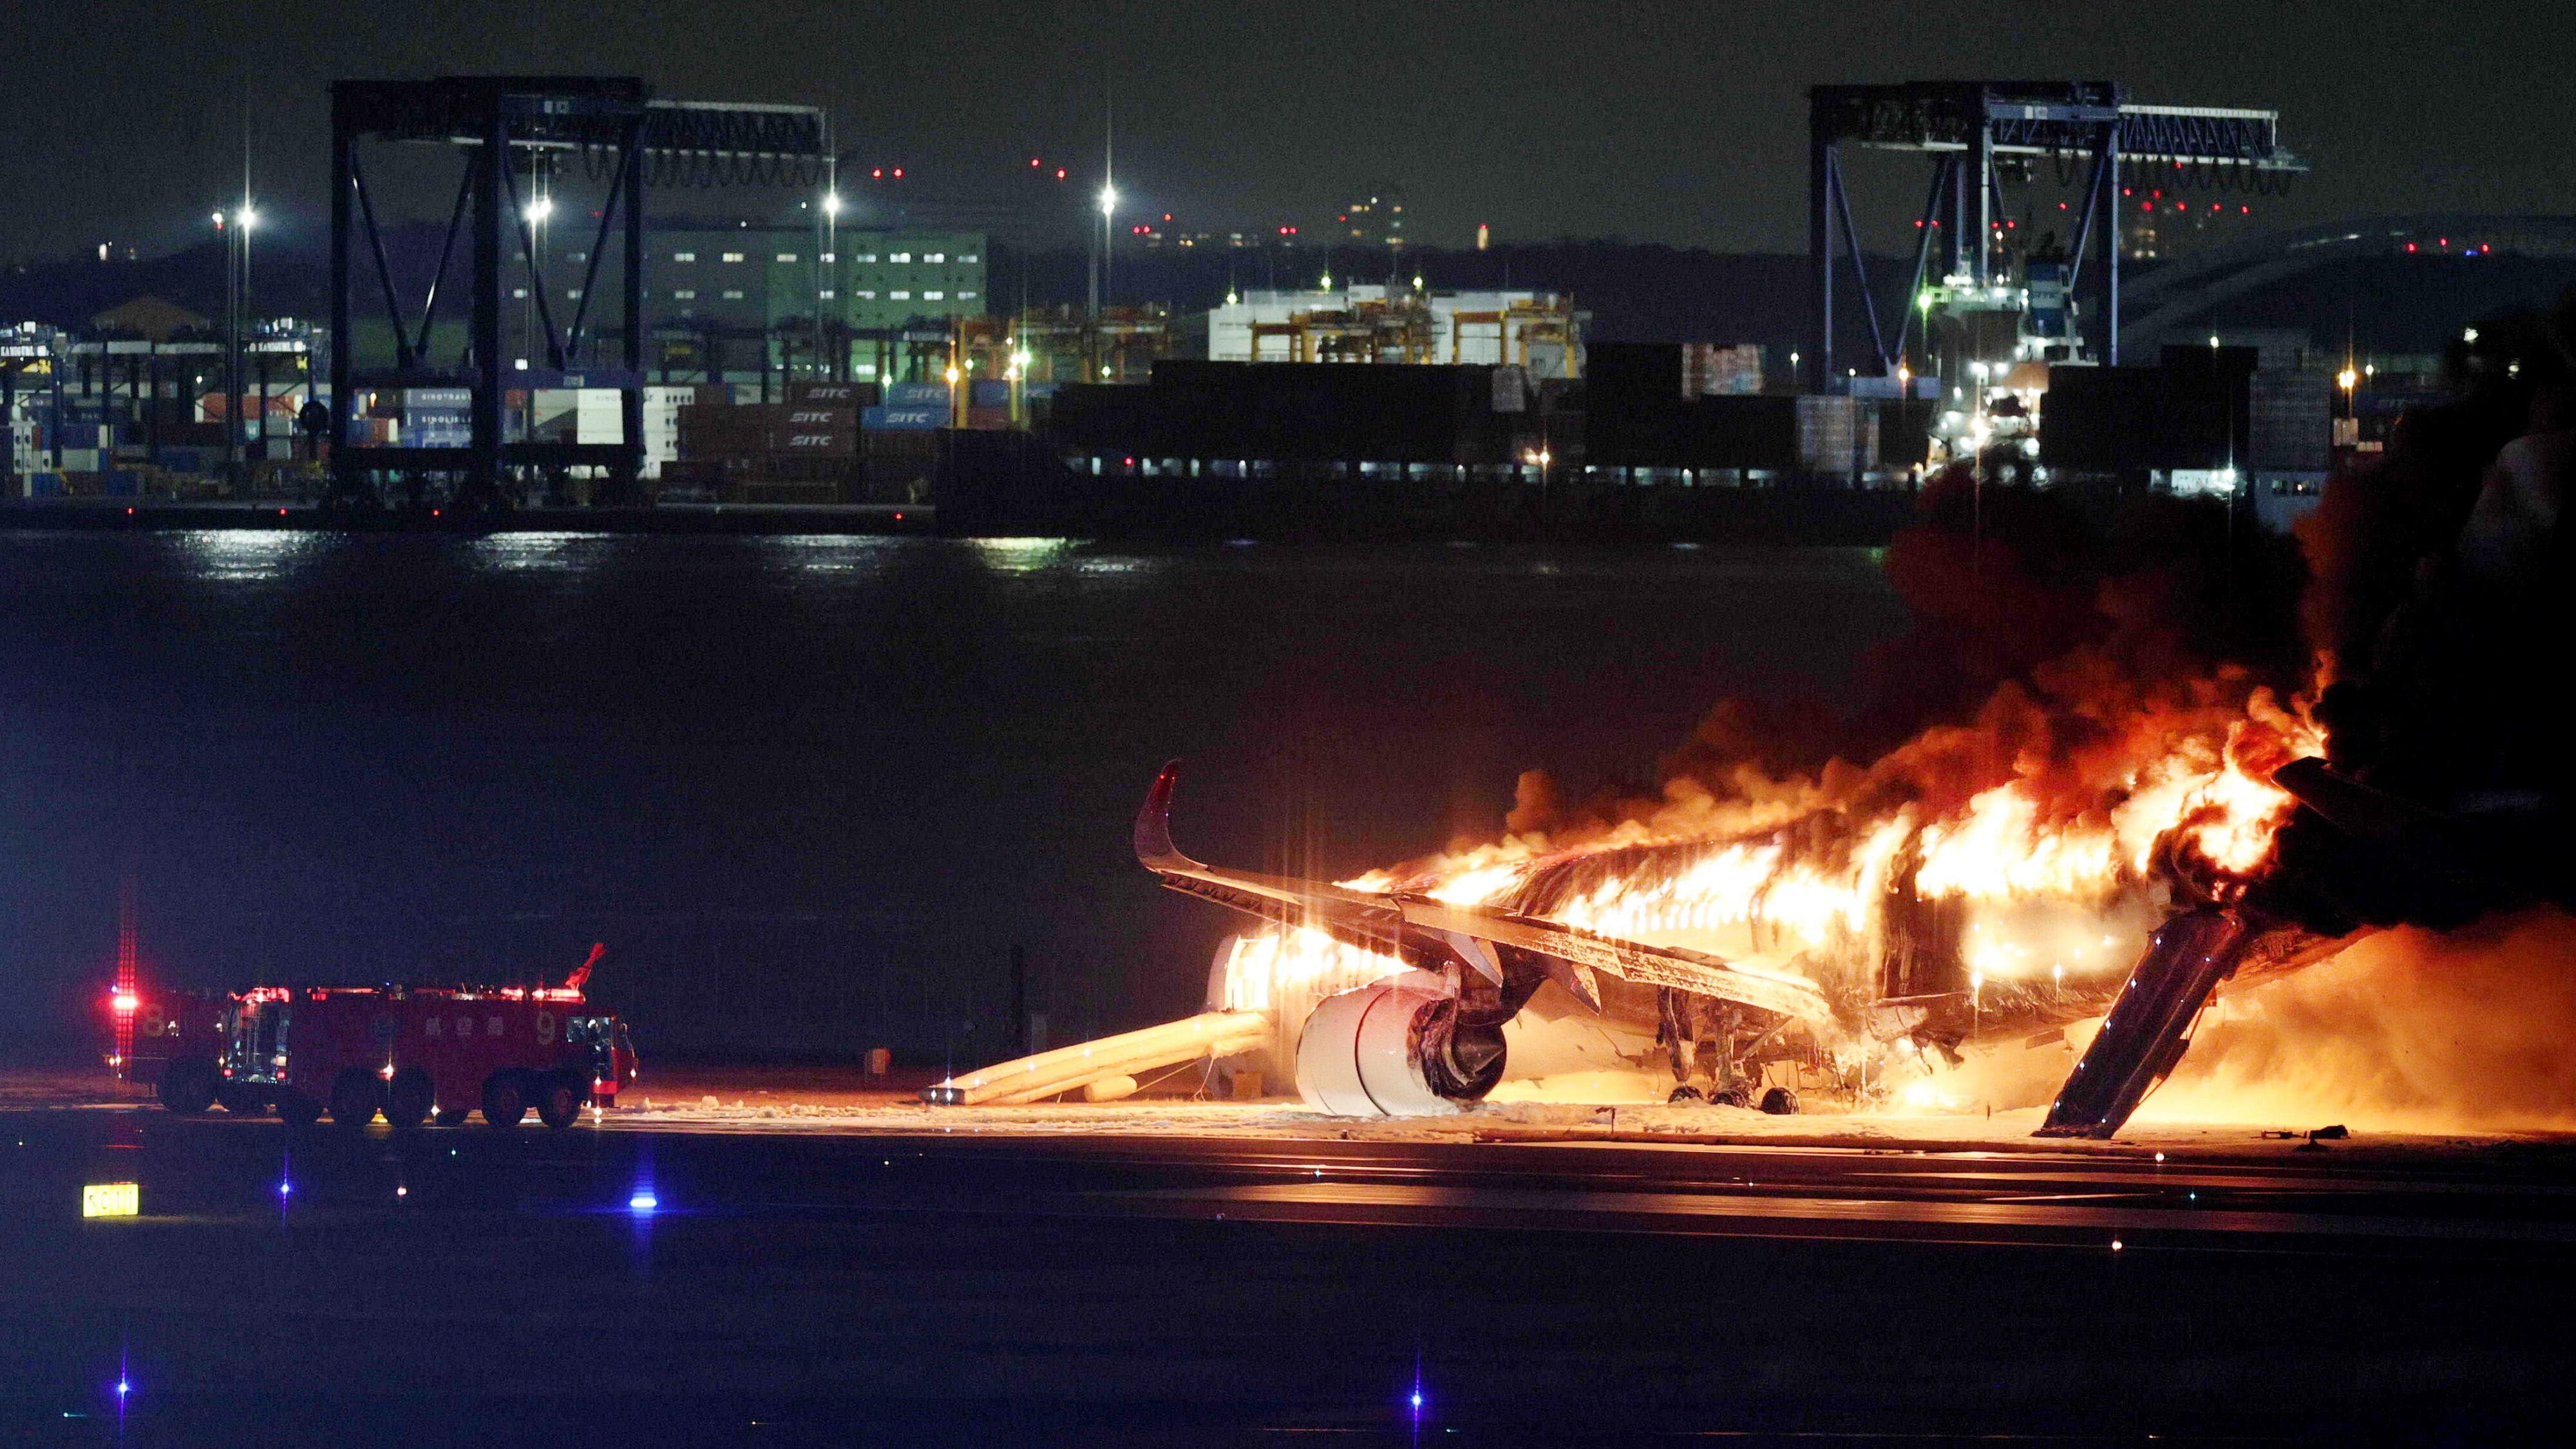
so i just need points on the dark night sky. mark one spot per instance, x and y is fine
(1664, 122)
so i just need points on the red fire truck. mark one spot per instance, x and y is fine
(412, 1053)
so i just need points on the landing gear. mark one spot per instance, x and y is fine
(1780, 1102)
(298, 1109)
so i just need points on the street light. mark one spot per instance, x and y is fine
(1108, 201)
(831, 203)
(541, 208)
(2346, 379)
(246, 218)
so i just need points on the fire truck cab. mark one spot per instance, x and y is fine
(177, 1038)
(410, 1053)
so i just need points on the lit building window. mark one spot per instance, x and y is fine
(863, 256)
(934, 296)
(684, 256)
(899, 296)
(827, 294)
(574, 293)
(684, 295)
(791, 256)
(969, 258)
(733, 294)
(518, 291)
(733, 256)
(831, 257)
(899, 256)
(931, 257)
(965, 296)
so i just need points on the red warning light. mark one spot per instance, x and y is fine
(898, 173)
(1059, 173)
(1033, 161)
(877, 175)
(2410, 246)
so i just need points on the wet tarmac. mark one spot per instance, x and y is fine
(664, 1285)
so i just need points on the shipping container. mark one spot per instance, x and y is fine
(2290, 422)
(851, 395)
(894, 417)
(917, 395)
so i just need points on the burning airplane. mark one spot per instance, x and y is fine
(1820, 938)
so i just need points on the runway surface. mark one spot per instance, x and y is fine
(471, 1286)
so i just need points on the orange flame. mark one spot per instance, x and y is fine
(2058, 859)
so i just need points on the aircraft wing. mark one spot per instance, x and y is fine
(1426, 931)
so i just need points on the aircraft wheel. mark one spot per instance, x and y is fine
(354, 1097)
(298, 1109)
(1687, 1094)
(188, 1085)
(1732, 1095)
(452, 1116)
(241, 1099)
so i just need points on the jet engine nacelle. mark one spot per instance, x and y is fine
(1395, 1050)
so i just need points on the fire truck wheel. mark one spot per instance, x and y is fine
(558, 1100)
(188, 1085)
(298, 1109)
(408, 1098)
(505, 1098)
(354, 1098)
(241, 1099)
(1780, 1102)
(452, 1116)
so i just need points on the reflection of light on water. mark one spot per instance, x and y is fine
(1020, 555)
(840, 554)
(531, 552)
(1120, 568)
(239, 554)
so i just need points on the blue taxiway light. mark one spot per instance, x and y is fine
(643, 1202)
